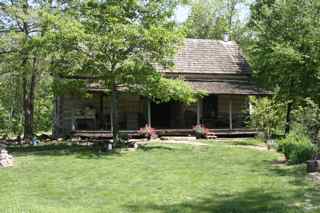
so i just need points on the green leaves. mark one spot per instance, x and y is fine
(285, 53)
(267, 115)
(211, 19)
(177, 90)
(119, 41)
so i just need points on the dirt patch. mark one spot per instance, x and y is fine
(259, 148)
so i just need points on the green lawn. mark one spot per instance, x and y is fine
(159, 178)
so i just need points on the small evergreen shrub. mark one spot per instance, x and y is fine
(297, 148)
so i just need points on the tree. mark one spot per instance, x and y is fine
(285, 50)
(121, 43)
(210, 19)
(205, 21)
(10, 105)
(23, 56)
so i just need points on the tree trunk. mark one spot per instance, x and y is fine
(288, 117)
(28, 106)
(232, 8)
(115, 114)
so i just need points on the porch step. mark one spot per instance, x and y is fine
(211, 135)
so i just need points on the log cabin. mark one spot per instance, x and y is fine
(217, 67)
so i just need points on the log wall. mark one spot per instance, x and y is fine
(75, 111)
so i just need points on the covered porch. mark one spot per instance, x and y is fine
(212, 111)
(92, 114)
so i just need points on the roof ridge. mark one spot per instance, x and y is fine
(210, 40)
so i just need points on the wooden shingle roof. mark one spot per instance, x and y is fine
(214, 66)
(209, 56)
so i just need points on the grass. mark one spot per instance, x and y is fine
(156, 179)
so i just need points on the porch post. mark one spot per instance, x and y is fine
(230, 112)
(149, 112)
(251, 109)
(73, 122)
(199, 104)
(111, 120)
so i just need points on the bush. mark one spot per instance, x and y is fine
(297, 148)
(268, 116)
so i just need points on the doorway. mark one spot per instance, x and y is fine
(160, 115)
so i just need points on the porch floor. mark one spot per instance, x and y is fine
(220, 133)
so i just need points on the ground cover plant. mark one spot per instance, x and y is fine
(155, 178)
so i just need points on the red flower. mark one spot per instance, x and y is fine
(147, 131)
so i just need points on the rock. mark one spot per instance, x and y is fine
(6, 160)
(315, 176)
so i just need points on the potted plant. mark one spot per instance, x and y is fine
(148, 132)
(200, 131)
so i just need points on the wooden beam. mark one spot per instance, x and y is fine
(230, 112)
(149, 112)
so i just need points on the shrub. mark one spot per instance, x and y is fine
(268, 116)
(297, 148)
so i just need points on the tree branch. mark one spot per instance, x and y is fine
(7, 51)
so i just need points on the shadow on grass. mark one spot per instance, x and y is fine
(246, 143)
(252, 201)
(155, 147)
(81, 151)
(297, 173)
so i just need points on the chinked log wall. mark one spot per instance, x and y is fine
(131, 109)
